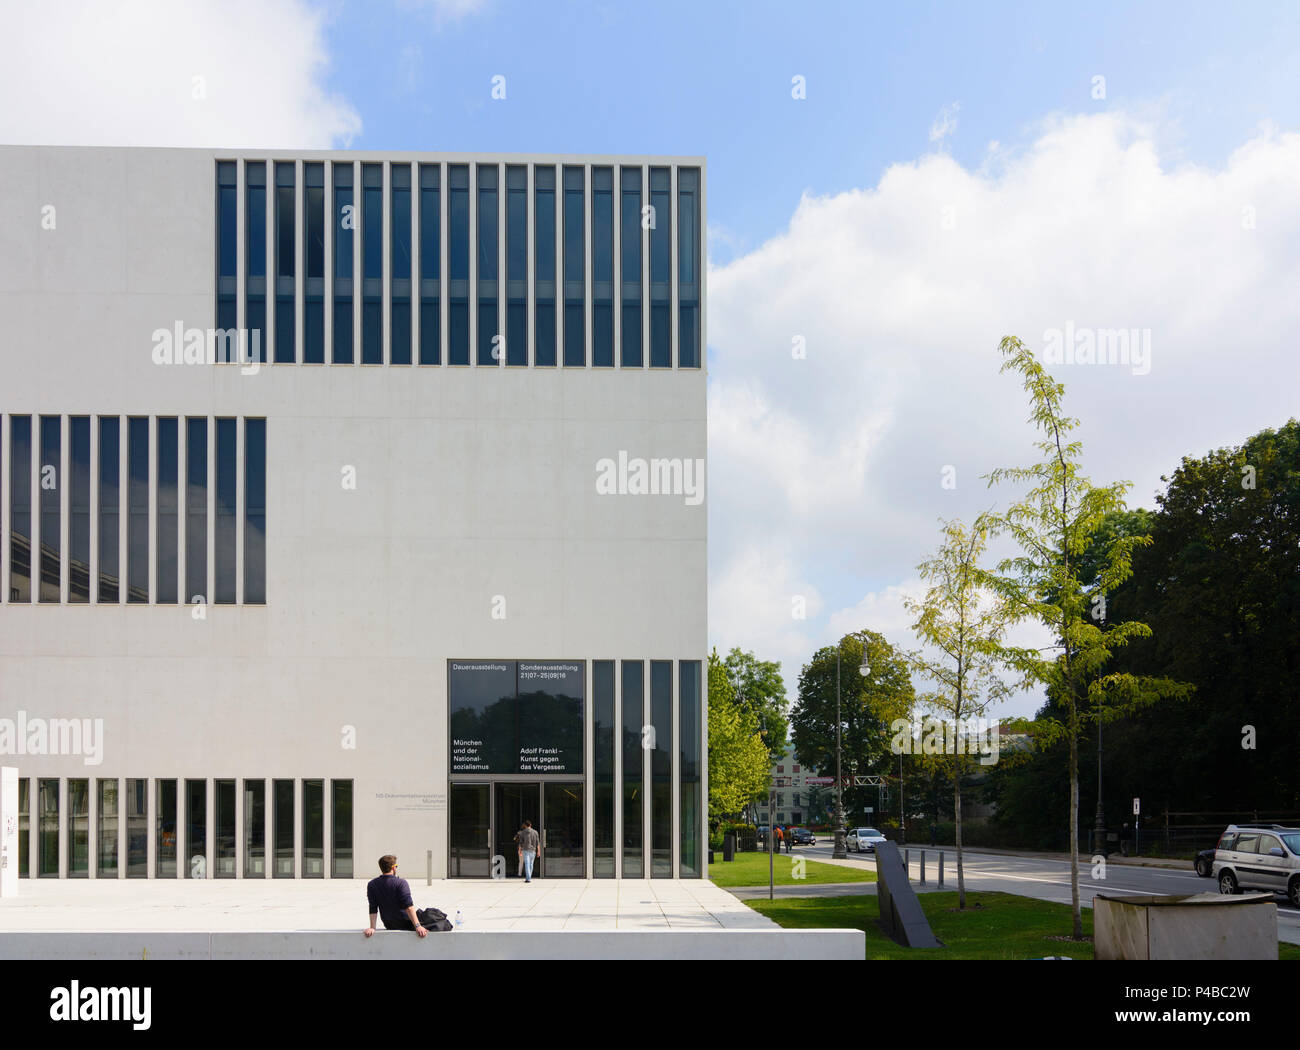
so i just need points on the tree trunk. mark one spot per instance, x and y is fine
(961, 877)
(1077, 933)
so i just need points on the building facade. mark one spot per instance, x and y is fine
(349, 505)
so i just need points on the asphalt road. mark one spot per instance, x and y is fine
(1049, 878)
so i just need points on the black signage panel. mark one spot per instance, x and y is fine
(550, 716)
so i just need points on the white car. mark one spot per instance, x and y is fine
(863, 840)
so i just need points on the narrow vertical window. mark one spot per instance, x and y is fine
(285, 248)
(223, 840)
(458, 219)
(47, 828)
(20, 508)
(196, 829)
(341, 830)
(516, 265)
(137, 829)
(602, 267)
(110, 508)
(106, 861)
(24, 827)
(430, 264)
(255, 511)
(689, 351)
(602, 712)
(255, 259)
(661, 769)
(630, 268)
(400, 208)
(79, 510)
(575, 286)
(224, 553)
(227, 246)
(137, 510)
(313, 348)
(282, 791)
(313, 829)
(196, 510)
(78, 828)
(372, 264)
(345, 221)
(661, 292)
(487, 228)
(254, 829)
(689, 733)
(544, 265)
(633, 672)
(165, 829)
(51, 482)
(168, 510)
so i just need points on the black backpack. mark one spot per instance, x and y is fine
(433, 920)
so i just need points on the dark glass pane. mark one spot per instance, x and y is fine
(254, 829)
(165, 830)
(47, 828)
(341, 832)
(689, 762)
(343, 338)
(50, 473)
(227, 230)
(630, 335)
(20, 508)
(313, 350)
(633, 681)
(313, 829)
(688, 267)
(107, 820)
(575, 289)
(488, 226)
(284, 828)
(78, 828)
(400, 335)
(470, 831)
(110, 450)
(286, 352)
(517, 333)
(661, 768)
(223, 813)
(315, 218)
(284, 218)
(137, 829)
(79, 523)
(372, 330)
(544, 247)
(345, 222)
(137, 521)
(255, 511)
(224, 554)
(602, 267)
(488, 347)
(254, 263)
(458, 323)
(458, 205)
(196, 829)
(661, 268)
(630, 234)
(563, 856)
(196, 509)
(602, 335)
(372, 222)
(545, 334)
(661, 349)
(24, 828)
(401, 222)
(167, 503)
(430, 327)
(430, 264)
(517, 223)
(602, 702)
(575, 338)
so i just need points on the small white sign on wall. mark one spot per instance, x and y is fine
(8, 831)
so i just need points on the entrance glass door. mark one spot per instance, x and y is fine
(562, 855)
(515, 803)
(471, 836)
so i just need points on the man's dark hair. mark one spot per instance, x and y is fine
(528, 823)
(386, 863)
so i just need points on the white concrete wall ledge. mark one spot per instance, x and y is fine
(461, 946)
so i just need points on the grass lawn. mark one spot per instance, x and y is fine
(1005, 927)
(750, 869)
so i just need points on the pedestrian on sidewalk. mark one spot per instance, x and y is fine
(1125, 837)
(528, 848)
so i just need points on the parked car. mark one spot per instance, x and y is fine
(1259, 857)
(803, 837)
(863, 840)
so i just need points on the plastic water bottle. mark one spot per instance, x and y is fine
(459, 921)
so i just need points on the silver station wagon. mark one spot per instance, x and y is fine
(1259, 857)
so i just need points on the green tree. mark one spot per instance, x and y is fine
(962, 628)
(760, 691)
(1053, 526)
(739, 771)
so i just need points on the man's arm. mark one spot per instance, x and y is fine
(410, 914)
(370, 929)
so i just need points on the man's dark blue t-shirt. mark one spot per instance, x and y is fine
(390, 897)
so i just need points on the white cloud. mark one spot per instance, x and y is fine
(245, 73)
(901, 293)
(945, 123)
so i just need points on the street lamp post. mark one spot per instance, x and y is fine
(839, 852)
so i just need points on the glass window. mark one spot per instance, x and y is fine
(313, 351)
(51, 481)
(285, 351)
(79, 510)
(223, 815)
(196, 829)
(110, 513)
(20, 508)
(544, 265)
(633, 672)
(165, 824)
(630, 276)
(488, 228)
(224, 553)
(78, 828)
(254, 829)
(517, 264)
(458, 218)
(688, 267)
(400, 221)
(661, 296)
(227, 243)
(255, 259)
(137, 829)
(602, 267)
(575, 287)
(602, 700)
(345, 224)
(661, 769)
(196, 509)
(24, 827)
(255, 511)
(137, 518)
(372, 288)
(284, 829)
(106, 864)
(47, 828)
(341, 837)
(690, 753)
(313, 829)
(167, 503)
(430, 264)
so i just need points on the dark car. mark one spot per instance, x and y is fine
(803, 837)
(1205, 863)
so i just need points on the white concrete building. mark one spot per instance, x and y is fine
(249, 605)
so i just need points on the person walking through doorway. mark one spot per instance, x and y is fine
(529, 843)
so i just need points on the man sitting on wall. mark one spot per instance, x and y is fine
(390, 898)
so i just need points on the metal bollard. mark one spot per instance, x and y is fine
(428, 859)
(941, 869)
(922, 867)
